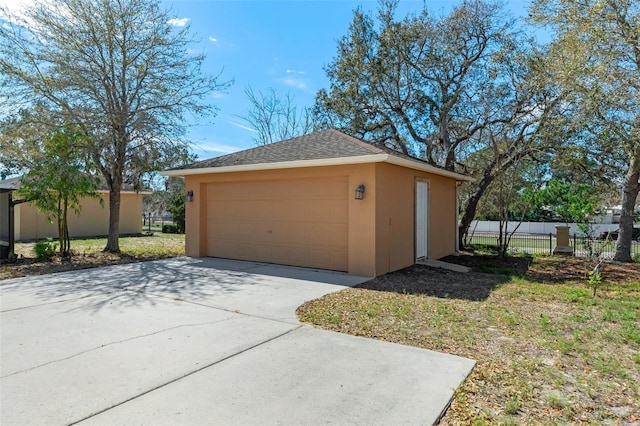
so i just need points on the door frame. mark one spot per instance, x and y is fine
(420, 185)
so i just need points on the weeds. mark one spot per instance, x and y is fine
(45, 249)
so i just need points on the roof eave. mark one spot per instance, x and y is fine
(360, 159)
(425, 167)
(374, 158)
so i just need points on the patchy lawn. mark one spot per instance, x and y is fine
(88, 254)
(547, 351)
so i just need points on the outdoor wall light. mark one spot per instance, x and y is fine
(189, 196)
(360, 192)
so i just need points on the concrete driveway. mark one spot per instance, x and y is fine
(202, 341)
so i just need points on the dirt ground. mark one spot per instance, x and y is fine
(491, 271)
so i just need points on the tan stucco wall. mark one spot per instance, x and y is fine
(443, 221)
(395, 216)
(92, 221)
(380, 227)
(361, 225)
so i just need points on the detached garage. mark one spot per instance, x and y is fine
(324, 200)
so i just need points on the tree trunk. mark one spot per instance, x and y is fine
(60, 230)
(471, 207)
(113, 243)
(65, 229)
(629, 196)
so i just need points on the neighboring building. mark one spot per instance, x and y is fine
(30, 224)
(295, 202)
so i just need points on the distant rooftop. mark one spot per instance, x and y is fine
(10, 184)
(13, 184)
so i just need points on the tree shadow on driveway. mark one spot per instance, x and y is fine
(130, 284)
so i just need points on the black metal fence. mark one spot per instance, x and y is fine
(545, 243)
(154, 222)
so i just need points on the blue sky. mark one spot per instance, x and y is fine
(268, 44)
(279, 44)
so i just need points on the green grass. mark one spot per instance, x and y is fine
(546, 353)
(87, 253)
(158, 244)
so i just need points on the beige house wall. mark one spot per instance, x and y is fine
(93, 220)
(361, 214)
(395, 216)
(381, 236)
(443, 222)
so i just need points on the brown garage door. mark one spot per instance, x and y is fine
(300, 222)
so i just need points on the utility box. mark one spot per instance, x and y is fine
(562, 242)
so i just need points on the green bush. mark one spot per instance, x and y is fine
(177, 210)
(45, 249)
(169, 228)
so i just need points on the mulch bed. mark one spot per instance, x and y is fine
(23, 267)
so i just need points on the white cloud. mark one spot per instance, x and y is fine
(213, 39)
(214, 147)
(15, 10)
(294, 82)
(178, 22)
(16, 6)
(241, 126)
(295, 72)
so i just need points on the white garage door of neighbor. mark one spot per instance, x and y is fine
(300, 222)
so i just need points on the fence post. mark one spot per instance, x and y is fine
(574, 244)
(550, 243)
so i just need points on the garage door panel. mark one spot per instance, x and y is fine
(296, 234)
(282, 190)
(297, 222)
(332, 235)
(328, 258)
(273, 210)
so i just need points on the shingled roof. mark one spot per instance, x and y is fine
(13, 184)
(10, 184)
(325, 147)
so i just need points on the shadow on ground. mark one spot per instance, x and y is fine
(134, 283)
(420, 279)
(487, 273)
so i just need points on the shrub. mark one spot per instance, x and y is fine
(169, 228)
(177, 210)
(45, 249)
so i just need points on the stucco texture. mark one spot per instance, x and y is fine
(308, 216)
(93, 220)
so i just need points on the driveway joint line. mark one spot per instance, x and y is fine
(47, 303)
(219, 308)
(233, 355)
(114, 343)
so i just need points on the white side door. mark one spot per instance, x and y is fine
(422, 219)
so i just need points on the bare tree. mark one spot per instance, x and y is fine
(275, 117)
(118, 71)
